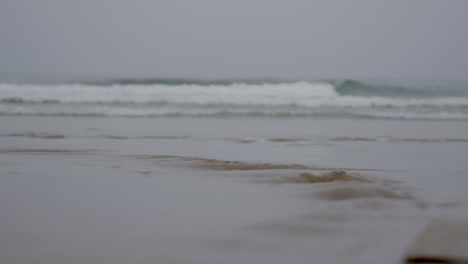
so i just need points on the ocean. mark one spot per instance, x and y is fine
(232, 171)
(236, 98)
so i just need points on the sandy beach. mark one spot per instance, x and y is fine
(237, 190)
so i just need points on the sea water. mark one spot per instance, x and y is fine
(198, 98)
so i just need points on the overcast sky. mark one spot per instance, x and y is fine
(236, 38)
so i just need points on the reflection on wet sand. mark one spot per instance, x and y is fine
(115, 137)
(302, 227)
(302, 141)
(165, 137)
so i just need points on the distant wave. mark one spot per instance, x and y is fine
(176, 81)
(166, 97)
(351, 87)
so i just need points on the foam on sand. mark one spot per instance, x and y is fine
(227, 165)
(351, 191)
(335, 175)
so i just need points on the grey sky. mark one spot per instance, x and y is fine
(236, 38)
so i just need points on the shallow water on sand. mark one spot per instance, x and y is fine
(161, 190)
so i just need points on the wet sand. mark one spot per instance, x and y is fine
(156, 190)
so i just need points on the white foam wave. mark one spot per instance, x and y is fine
(299, 94)
(356, 101)
(279, 99)
(200, 94)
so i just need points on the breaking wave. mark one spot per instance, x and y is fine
(161, 97)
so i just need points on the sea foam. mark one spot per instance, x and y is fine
(276, 99)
